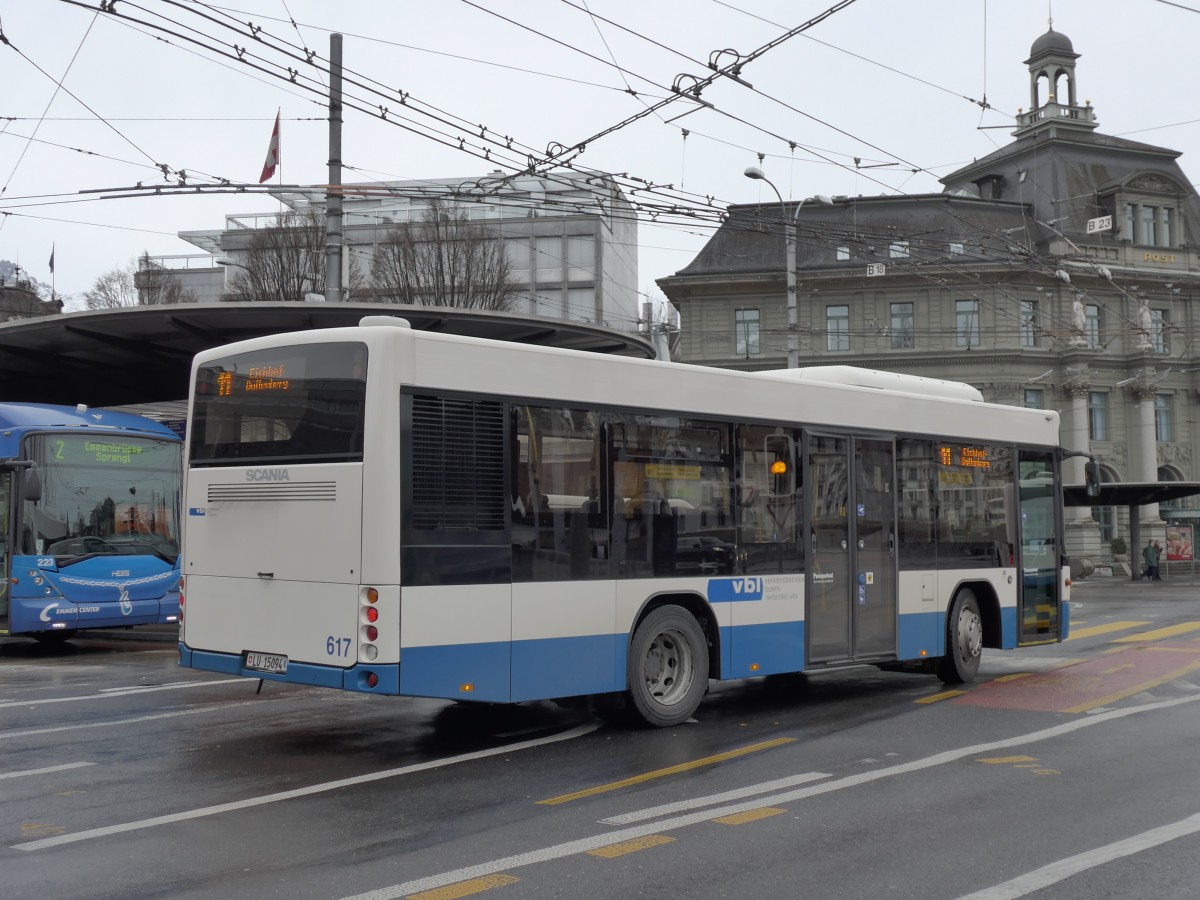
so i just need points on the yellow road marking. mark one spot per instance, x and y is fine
(612, 851)
(944, 695)
(1159, 633)
(466, 888)
(1117, 668)
(1136, 689)
(1104, 629)
(1007, 760)
(663, 773)
(750, 815)
(1013, 677)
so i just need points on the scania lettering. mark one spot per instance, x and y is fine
(495, 522)
(267, 475)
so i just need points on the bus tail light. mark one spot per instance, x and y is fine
(368, 633)
(181, 599)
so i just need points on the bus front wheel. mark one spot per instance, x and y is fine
(964, 641)
(667, 667)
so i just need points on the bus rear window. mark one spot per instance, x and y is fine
(292, 404)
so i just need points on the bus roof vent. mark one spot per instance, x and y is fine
(873, 378)
(393, 321)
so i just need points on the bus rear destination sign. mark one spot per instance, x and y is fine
(259, 378)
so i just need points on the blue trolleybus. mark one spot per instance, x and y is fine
(391, 511)
(89, 520)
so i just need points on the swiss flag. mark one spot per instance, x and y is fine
(272, 153)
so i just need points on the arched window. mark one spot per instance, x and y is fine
(1167, 473)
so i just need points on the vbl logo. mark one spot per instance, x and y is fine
(729, 590)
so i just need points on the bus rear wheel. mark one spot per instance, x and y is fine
(667, 667)
(964, 640)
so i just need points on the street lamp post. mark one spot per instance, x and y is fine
(789, 237)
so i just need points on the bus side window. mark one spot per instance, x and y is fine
(556, 478)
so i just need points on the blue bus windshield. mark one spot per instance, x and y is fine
(109, 495)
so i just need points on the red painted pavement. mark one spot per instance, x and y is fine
(1096, 682)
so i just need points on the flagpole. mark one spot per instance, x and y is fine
(279, 156)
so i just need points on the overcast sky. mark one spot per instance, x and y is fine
(897, 85)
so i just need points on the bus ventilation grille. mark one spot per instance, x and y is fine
(293, 490)
(457, 464)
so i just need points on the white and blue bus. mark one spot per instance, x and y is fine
(391, 511)
(89, 520)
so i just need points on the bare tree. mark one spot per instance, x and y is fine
(443, 260)
(112, 290)
(141, 283)
(156, 286)
(286, 260)
(283, 261)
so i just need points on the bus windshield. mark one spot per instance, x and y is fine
(103, 495)
(296, 404)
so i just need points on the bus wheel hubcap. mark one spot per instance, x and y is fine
(970, 634)
(668, 667)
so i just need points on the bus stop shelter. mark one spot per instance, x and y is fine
(143, 354)
(1132, 494)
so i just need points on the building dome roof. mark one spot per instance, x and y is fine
(1051, 42)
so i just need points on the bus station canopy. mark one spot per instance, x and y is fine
(143, 354)
(1130, 493)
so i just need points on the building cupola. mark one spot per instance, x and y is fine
(1052, 91)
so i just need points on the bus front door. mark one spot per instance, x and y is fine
(1040, 552)
(851, 605)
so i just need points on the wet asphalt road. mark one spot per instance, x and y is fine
(122, 775)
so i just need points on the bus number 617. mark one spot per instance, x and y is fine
(335, 646)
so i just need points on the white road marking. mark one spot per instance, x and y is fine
(583, 845)
(1081, 862)
(162, 684)
(300, 792)
(147, 718)
(62, 768)
(106, 693)
(691, 803)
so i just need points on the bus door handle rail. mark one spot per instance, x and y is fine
(266, 574)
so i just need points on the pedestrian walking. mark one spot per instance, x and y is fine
(1157, 561)
(1150, 558)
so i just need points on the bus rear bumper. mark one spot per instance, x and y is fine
(355, 678)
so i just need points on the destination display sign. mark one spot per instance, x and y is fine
(964, 457)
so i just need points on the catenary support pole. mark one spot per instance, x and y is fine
(333, 192)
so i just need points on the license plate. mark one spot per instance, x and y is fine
(274, 663)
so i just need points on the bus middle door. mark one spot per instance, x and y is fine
(851, 597)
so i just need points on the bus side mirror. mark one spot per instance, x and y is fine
(1091, 475)
(31, 484)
